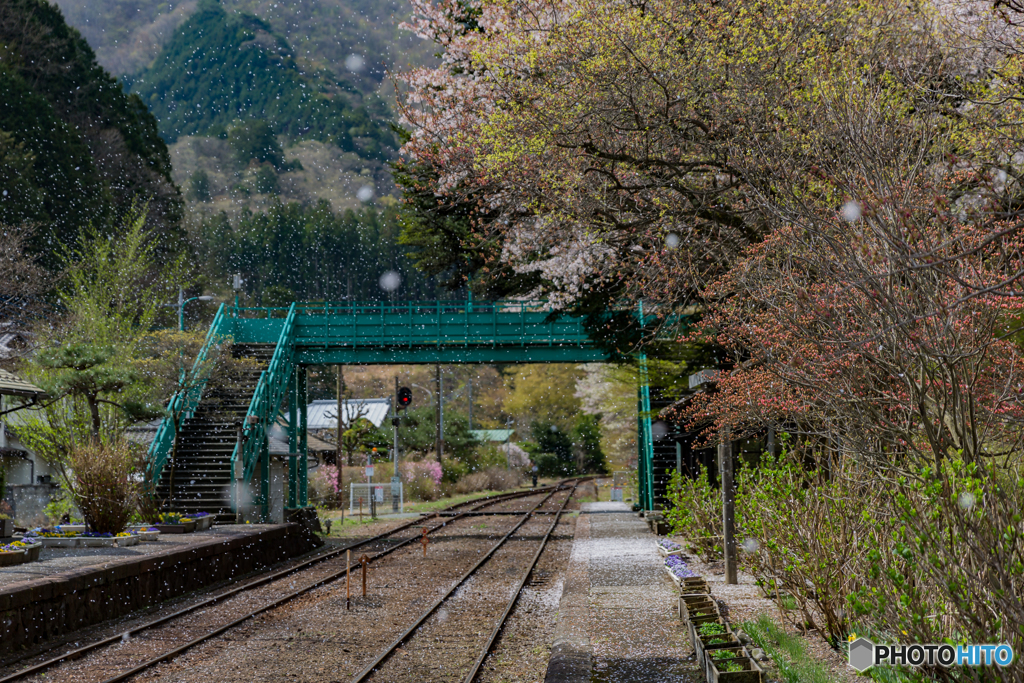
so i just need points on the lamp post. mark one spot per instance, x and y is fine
(181, 306)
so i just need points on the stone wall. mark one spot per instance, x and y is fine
(34, 611)
(27, 502)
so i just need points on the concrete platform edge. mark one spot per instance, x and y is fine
(33, 611)
(571, 655)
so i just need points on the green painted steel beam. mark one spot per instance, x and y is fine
(406, 356)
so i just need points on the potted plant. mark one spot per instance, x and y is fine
(711, 635)
(175, 523)
(699, 611)
(31, 548)
(204, 520)
(731, 665)
(667, 547)
(11, 555)
(147, 533)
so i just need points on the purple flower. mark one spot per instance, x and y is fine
(669, 545)
(678, 567)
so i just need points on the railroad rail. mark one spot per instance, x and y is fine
(371, 670)
(446, 517)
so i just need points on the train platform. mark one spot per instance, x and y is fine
(62, 560)
(617, 616)
(71, 588)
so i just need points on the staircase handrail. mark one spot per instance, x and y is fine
(191, 396)
(266, 400)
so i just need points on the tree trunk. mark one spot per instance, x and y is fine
(94, 411)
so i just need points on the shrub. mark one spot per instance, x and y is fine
(695, 513)
(804, 533)
(550, 465)
(491, 479)
(453, 469)
(104, 483)
(422, 479)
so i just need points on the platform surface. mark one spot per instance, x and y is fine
(618, 615)
(55, 561)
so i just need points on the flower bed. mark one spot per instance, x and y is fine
(731, 665)
(667, 547)
(175, 523)
(56, 538)
(11, 555)
(204, 520)
(145, 532)
(699, 611)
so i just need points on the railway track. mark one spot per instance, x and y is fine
(446, 642)
(243, 603)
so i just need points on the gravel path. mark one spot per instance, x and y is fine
(618, 619)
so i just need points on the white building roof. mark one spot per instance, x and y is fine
(324, 414)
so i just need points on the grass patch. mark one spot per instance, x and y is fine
(788, 652)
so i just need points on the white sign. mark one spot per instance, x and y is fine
(369, 472)
(378, 494)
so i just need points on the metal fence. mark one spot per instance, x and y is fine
(384, 497)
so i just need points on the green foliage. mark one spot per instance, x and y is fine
(219, 68)
(109, 290)
(199, 186)
(445, 245)
(808, 526)
(59, 506)
(308, 252)
(695, 513)
(255, 141)
(710, 628)
(587, 441)
(59, 105)
(419, 433)
(787, 652)
(266, 181)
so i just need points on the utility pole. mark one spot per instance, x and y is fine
(440, 416)
(340, 461)
(728, 508)
(470, 387)
(395, 479)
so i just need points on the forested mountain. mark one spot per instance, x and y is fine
(128, 34)
(75, 150)
(220, 68)
(292, 251)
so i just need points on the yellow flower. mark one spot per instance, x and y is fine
(852, 637)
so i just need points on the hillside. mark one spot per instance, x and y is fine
(128, 34)
(75, 150)
(220, 67)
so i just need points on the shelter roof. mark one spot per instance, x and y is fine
(12, 385)
(493, 435)
(324, 414)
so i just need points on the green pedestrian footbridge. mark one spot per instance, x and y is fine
(215, 456)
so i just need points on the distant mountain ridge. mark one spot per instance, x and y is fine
(222, 68)
(128, 34)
